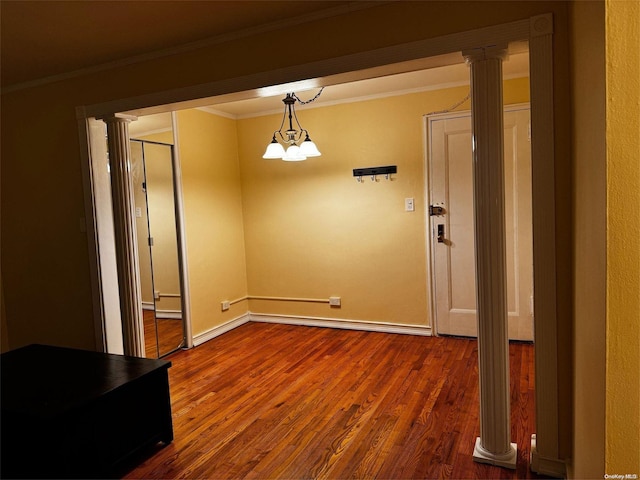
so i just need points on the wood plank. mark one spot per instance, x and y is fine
(283, 401)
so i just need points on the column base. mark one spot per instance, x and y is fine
(506, 460)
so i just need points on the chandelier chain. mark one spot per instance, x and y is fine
(301, 102)
(452, 107)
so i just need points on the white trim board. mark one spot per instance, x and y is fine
(220, 113)
(545, 466)
(171, 314)
(183, 261)
(145, 133)
(340, 323)
(368, 326)
(216, 331)
(148, 306)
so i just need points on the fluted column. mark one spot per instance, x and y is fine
(493, 446)
(125, 234)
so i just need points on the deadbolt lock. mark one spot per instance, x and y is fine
(436, 210)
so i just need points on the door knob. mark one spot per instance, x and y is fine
(441, 233)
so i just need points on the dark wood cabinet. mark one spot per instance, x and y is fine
(70, 413)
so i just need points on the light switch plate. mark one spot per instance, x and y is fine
(409, 205)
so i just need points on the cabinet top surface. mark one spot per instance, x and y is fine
(46, 380)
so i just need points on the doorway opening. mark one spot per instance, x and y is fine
(538, 31)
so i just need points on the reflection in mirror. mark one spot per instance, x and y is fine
(152, 176)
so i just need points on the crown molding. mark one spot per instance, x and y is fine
(220, 113)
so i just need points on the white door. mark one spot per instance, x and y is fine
(451, 223)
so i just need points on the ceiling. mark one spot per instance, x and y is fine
(41, 39)
(516, 65)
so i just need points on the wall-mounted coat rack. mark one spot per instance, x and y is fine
(373, 172)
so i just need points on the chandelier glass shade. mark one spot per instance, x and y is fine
(295, 150)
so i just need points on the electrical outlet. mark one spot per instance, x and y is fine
(334, 301)
(225, 305)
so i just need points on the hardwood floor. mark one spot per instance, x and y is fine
(279, 401)
(168, 338)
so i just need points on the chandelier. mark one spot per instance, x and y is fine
(292, 136)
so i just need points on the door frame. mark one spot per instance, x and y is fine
(429, 245)
(101, 239)
(538, 32)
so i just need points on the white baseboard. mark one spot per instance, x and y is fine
(162, 313)
(546, 466)
(177, 314)
(214, 332)
(368, 326)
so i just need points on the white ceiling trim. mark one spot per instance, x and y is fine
(144, 133)
(362, 98)
(219, 113)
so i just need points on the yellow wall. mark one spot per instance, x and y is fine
(623, 237)
(313, 231)
(213, 216)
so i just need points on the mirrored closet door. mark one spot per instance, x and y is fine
(152, 175)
